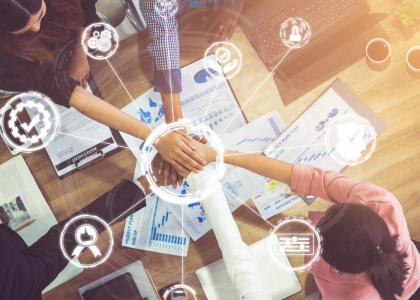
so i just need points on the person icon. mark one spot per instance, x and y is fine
(295, 36)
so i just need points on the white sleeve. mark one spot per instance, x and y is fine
(240, 264)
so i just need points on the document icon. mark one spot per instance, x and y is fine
(295, 244)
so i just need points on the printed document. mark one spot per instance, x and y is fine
(24, 209)
(257, 135)
(154, 228)
(303, 142)
(78, 137)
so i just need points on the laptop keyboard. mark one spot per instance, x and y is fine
(319, 14)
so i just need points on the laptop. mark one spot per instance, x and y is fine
(261, 21)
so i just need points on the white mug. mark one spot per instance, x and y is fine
(387, 45)
(406, 58)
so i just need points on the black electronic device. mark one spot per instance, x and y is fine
(261, 22)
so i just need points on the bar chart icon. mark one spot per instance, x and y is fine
(295, 244)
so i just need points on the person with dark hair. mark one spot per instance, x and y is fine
(41, 50)
(367, 251)
(26, 271)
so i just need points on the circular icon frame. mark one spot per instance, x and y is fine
(272, 237)
(356, 161)
(100, 40)
(222, 55)
(147, 157)
(299, 41)
(104, 257)
(44, 130)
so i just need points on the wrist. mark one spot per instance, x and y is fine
(145, 183)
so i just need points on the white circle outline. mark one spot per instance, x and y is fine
(206, 54)
(113, 32)
(314, 230)
(104, 258)
(179, 286)
(171, 14)
(56, 117)
(282, 28)
(147, 159)
(372, 146)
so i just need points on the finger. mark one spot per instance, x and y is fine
(225, 32)
(161, 164)
(187, 142)
(196, 137)
(180, 169)
(166, 171)
(84, 83)
(180, 179)
(87, 75)
(212, 26)
(190, 163)
(217, 33)
(232, 28)
(203, 141)
(174, 177)
(193, 158)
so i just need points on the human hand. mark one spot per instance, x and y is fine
(78, 67)
(167, 168)
(209, 154)
(225, 22)
(176, 148)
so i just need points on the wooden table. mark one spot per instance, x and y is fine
(393, 93)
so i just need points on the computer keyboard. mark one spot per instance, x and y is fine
(323, 16)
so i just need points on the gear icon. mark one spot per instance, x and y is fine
(106, 33)
(222, 55)
(92, 42)
(96, 34)
(41, 111)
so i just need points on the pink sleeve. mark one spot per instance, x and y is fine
(335, 187)
(329, 185)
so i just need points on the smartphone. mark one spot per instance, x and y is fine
(9, 134)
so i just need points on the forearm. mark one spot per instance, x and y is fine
(262, 165)
(78, 47)
(172, 107)
(107, 114)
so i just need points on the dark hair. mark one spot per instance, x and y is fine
(61, 17)
(359, 241)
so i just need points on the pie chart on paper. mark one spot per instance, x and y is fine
(204, 75)
(333, 113)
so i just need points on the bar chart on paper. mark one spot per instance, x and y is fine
(154, 228)
(165, 230)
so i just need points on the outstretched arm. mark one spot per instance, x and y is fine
(240, 263)
(174, 148)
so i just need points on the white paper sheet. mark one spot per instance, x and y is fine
(257, 135)
(201, 102)
(303, 143)
(154, 228)
(78, 136)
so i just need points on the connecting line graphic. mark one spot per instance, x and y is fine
(274, 149)
(256, 91)
(182, 247)
(138, 109)
(110, 223)
(249, 207)
(215, 89)
(81, 137)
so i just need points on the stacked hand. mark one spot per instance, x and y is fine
(78, 67)
(225, 22)
(177, 173)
